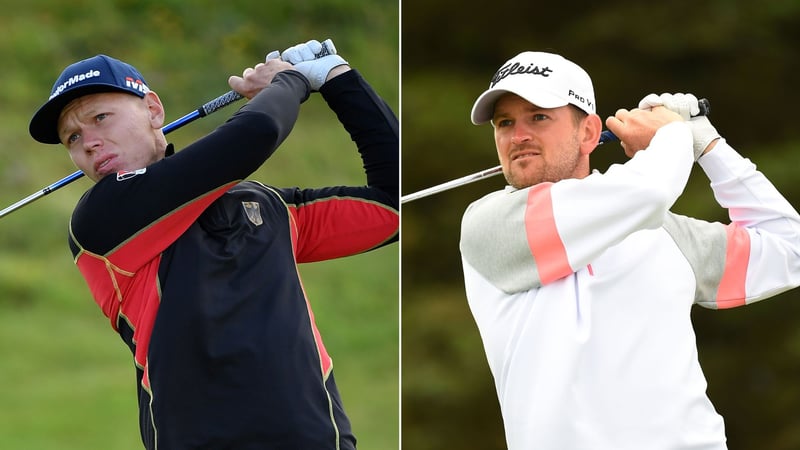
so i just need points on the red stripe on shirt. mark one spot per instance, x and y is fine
(326, 362)
(731, 291)
(100, 280)
(337, 227)
(544, 241)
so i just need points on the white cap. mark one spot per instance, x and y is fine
(545, 79)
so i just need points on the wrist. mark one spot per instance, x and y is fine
(704, 134)
(336, 71)
(710, 146)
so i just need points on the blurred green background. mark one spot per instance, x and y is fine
(741, 55)
(66, 379)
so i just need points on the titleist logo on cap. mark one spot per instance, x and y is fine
(518, 69)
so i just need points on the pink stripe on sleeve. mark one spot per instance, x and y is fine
(731, 292)
(543, 239)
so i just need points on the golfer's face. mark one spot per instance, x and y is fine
(534, 144)
(110, 132)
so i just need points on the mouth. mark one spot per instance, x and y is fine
(524, 154)
(103, 166)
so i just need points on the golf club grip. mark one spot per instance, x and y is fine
(703, 104)
(232, 96)
(705, 107)
(219, 102)
(326, 50)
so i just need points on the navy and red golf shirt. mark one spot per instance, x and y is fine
(197, 271)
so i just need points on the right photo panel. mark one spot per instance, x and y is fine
(599, 229)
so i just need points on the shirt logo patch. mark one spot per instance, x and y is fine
(128, 174)
(253, 212)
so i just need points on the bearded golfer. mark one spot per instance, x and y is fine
(197, 269)
(581, 283)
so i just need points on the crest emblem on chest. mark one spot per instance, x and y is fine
(253, 212)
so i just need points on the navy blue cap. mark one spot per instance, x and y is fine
(99, 73)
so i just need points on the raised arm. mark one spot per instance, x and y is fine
(520, 239)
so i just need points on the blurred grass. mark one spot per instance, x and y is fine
(66, 379)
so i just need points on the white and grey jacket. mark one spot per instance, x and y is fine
(582, 291)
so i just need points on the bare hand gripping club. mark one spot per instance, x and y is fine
(605, 136)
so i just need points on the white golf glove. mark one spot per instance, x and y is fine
(308, 51)
(314, 60)
(703, 134)
(687, 106)
(304, 52)
(316, 71)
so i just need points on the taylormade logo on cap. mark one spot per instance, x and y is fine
(73, 80)
(544, 79)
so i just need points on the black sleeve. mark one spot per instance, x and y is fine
(112, 211)
(238, 147)
(373, 126)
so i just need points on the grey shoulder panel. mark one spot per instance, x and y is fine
(494, 241)
(704, 245)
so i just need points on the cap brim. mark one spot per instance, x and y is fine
(44, 124)
(483, 109)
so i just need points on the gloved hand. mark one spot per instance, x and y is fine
(317, 71)
(314, 60)
(686, 105)
(308, 51)
(703, 133)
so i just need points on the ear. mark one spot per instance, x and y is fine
(155, 109)
(591, 127)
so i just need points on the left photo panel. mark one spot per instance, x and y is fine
(199, 226)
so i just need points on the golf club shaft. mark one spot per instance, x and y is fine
(605, 136)
(207, 108)
(452, 184)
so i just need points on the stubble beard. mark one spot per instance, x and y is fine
(521, 175)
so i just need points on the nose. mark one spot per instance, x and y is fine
(520, 135)
(91, 141)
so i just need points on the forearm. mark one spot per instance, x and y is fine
(372, 125)
(751, 199)
(238, 147)
(268, 119)
(767, 226)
